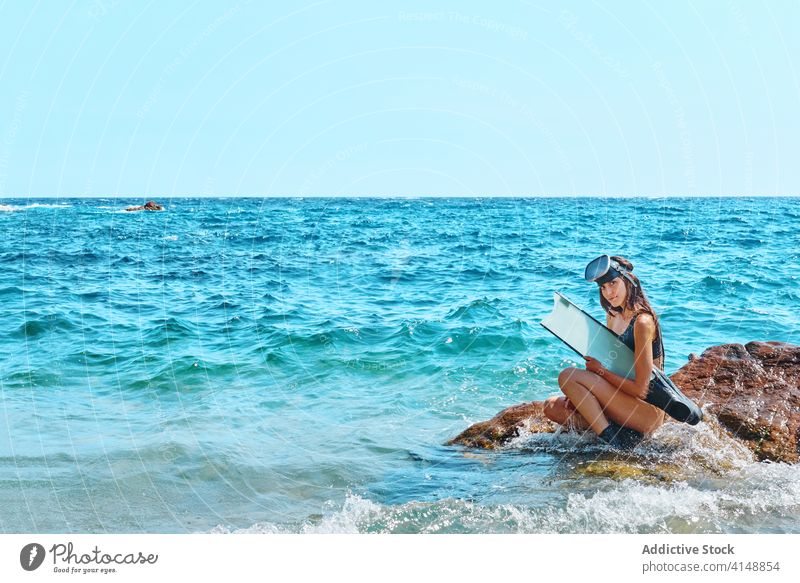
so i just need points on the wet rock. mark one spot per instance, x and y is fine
(150, 205)
(624, 469)
(506, 425)
(751, 391)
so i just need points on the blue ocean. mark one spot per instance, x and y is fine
(296, 365)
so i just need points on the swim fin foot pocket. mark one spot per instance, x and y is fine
(666, 396)
(620, 437)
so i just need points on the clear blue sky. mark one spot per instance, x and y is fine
(162, 99)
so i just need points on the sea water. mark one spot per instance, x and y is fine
(296, 365)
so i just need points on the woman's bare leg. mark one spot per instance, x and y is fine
(563, 412)
(583, 399)
(615, 405)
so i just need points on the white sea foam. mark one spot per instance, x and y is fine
(682, 479)
(692, 450)
(36, 205)
(355, 514)
(748, 500)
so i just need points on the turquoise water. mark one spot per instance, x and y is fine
(295, 365)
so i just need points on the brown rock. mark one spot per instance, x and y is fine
(150, 205)
(753, 391)
(505, 426)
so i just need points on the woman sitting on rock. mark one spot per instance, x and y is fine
(612, 406)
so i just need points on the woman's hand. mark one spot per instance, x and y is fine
(593, 365)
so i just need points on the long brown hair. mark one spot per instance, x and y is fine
(635, 301)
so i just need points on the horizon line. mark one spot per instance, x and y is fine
(393, 196)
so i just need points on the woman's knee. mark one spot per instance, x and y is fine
(569, 380)
(569, 377)
(566, 375)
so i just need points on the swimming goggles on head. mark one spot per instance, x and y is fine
(604, 269)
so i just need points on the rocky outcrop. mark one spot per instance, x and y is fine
(753, 391)
(505, 426)
(150, 205)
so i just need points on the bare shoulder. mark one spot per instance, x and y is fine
(645, 325)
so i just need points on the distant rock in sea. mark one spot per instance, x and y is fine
(150, 205)
(752, 391)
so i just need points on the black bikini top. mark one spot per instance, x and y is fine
(627, 339)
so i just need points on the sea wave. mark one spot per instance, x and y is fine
(477, 310)
(730, 285)
(36, 327)
(11, 291)
(626, 506)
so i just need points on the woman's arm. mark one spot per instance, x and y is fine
(644, 330)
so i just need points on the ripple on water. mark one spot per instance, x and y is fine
(285, 353)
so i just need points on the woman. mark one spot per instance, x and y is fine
(610, 405)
